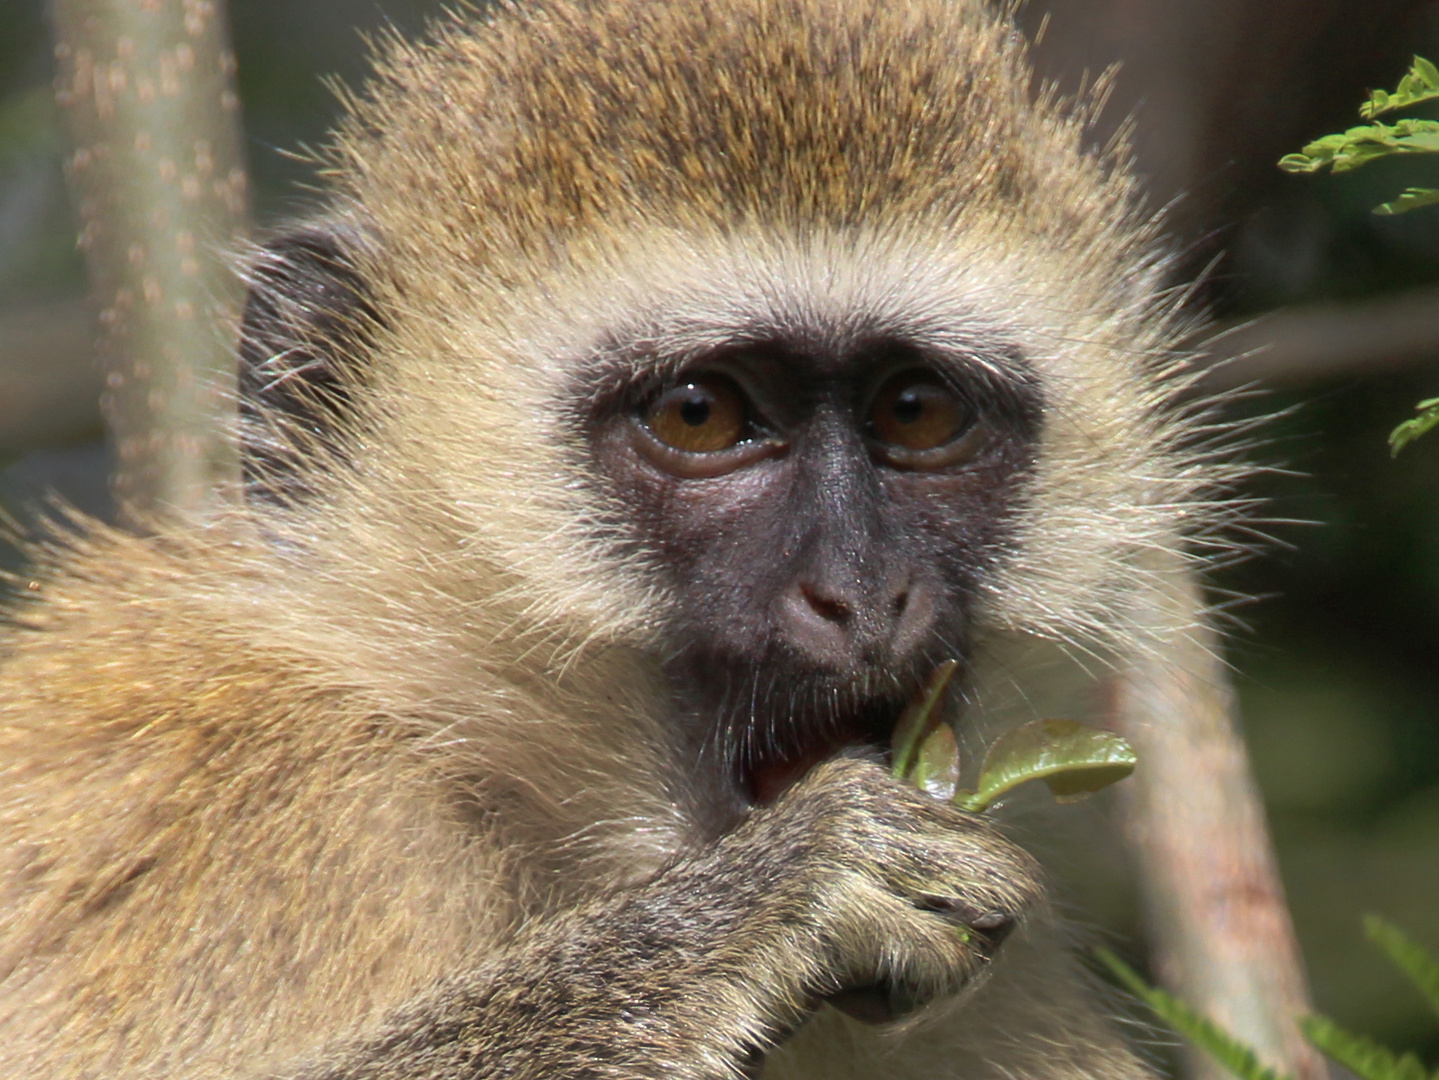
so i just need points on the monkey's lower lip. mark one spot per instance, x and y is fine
(768, 779)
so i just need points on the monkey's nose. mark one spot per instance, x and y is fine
(842, 627)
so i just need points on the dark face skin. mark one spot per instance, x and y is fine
(824, 518)
(821, 506)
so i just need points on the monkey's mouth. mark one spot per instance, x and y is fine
(767, 773)
(757, 729)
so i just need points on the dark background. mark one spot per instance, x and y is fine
(1337, 652)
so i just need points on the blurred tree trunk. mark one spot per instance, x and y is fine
(1220, 932)
(158, 179)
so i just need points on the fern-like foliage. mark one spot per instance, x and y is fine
(1408, 956)
(1359, 1054)
(1204, 1033)
(1409, 199)
(1419, 84)
(1411, 429)
(1360, 145)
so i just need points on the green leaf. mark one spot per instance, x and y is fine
(1358, 146)
(1411, 429)
(937, 768)
(1420, 84)
(1300, 163)
(919, 720)
(1239, 1059)
(1074, 760)
(1411, 199)
(1360, 1054)
(1409, 956)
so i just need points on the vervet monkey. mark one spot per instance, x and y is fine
(664, 388)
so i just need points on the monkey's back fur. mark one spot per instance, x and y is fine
(266, 778)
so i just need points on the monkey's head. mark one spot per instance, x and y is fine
(794, 342)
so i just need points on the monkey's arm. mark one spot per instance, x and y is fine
(850, 883)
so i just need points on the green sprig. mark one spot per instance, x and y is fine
(1074, 760)
(1358, 146)
(1408, 956)
(1204, 1033)
(1412, 428)
(1419, 84)
(1360, 1054)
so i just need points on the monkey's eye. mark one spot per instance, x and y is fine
(918, 422)
(703, 428)
(701, 416)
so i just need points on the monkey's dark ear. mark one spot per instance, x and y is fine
(308, 326)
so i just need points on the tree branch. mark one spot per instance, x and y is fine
(158, 180)
(1220, 930)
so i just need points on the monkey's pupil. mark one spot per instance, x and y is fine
(702, 417)
(908, 407)
(695, 410)
(914, 410)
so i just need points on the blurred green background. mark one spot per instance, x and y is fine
(1337, 649)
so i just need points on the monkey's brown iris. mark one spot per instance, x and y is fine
(915, 411)
(703, 415)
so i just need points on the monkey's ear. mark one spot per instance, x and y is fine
(307, 329)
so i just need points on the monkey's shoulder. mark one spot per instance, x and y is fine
(190, 798)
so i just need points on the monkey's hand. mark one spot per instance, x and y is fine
(852, 888)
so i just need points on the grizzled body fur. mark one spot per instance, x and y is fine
(389, 774)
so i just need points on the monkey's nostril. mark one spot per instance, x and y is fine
(827, 608)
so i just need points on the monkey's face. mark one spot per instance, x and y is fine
(746, 371)
(823, 512)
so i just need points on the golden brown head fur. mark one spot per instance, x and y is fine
(705, 170)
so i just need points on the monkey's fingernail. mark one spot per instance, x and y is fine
(992, 926)
(992, 921)
(955, 908)
(992, 933)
